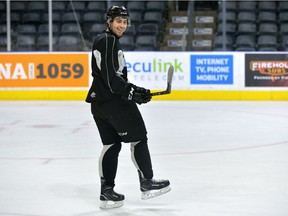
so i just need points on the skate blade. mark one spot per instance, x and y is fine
(110, 204)
(154, 193)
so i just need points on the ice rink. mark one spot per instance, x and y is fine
(222, 159)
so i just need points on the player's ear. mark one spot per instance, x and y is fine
(108, 22)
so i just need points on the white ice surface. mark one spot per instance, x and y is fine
(222, 159)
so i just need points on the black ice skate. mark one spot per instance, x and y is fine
(153, 187)
(109, 198)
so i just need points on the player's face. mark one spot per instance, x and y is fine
(118, 26)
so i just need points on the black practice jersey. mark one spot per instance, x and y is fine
(109, 69)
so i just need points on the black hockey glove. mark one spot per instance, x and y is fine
(137, 94)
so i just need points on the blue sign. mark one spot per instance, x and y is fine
(211, 69)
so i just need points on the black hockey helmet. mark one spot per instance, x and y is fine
(117, 11)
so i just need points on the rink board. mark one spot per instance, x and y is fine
(175, 95)
(197, 76)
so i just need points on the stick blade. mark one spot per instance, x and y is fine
(170, 74)
(169, 78)
(169, 83)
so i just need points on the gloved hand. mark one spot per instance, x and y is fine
(137, 94)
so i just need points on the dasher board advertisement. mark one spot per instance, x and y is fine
(44, 70)
(266, 70)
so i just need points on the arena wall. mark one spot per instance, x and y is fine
(197, 76)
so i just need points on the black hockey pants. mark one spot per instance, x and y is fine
(121, 121)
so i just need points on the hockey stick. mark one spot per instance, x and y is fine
(169, 83)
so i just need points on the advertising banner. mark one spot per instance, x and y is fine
(192, 70)
(266, 70)
(44, 70)
(212, 69)
(149, 69)
(197, 75)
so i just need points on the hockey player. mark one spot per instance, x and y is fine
(114, 108)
